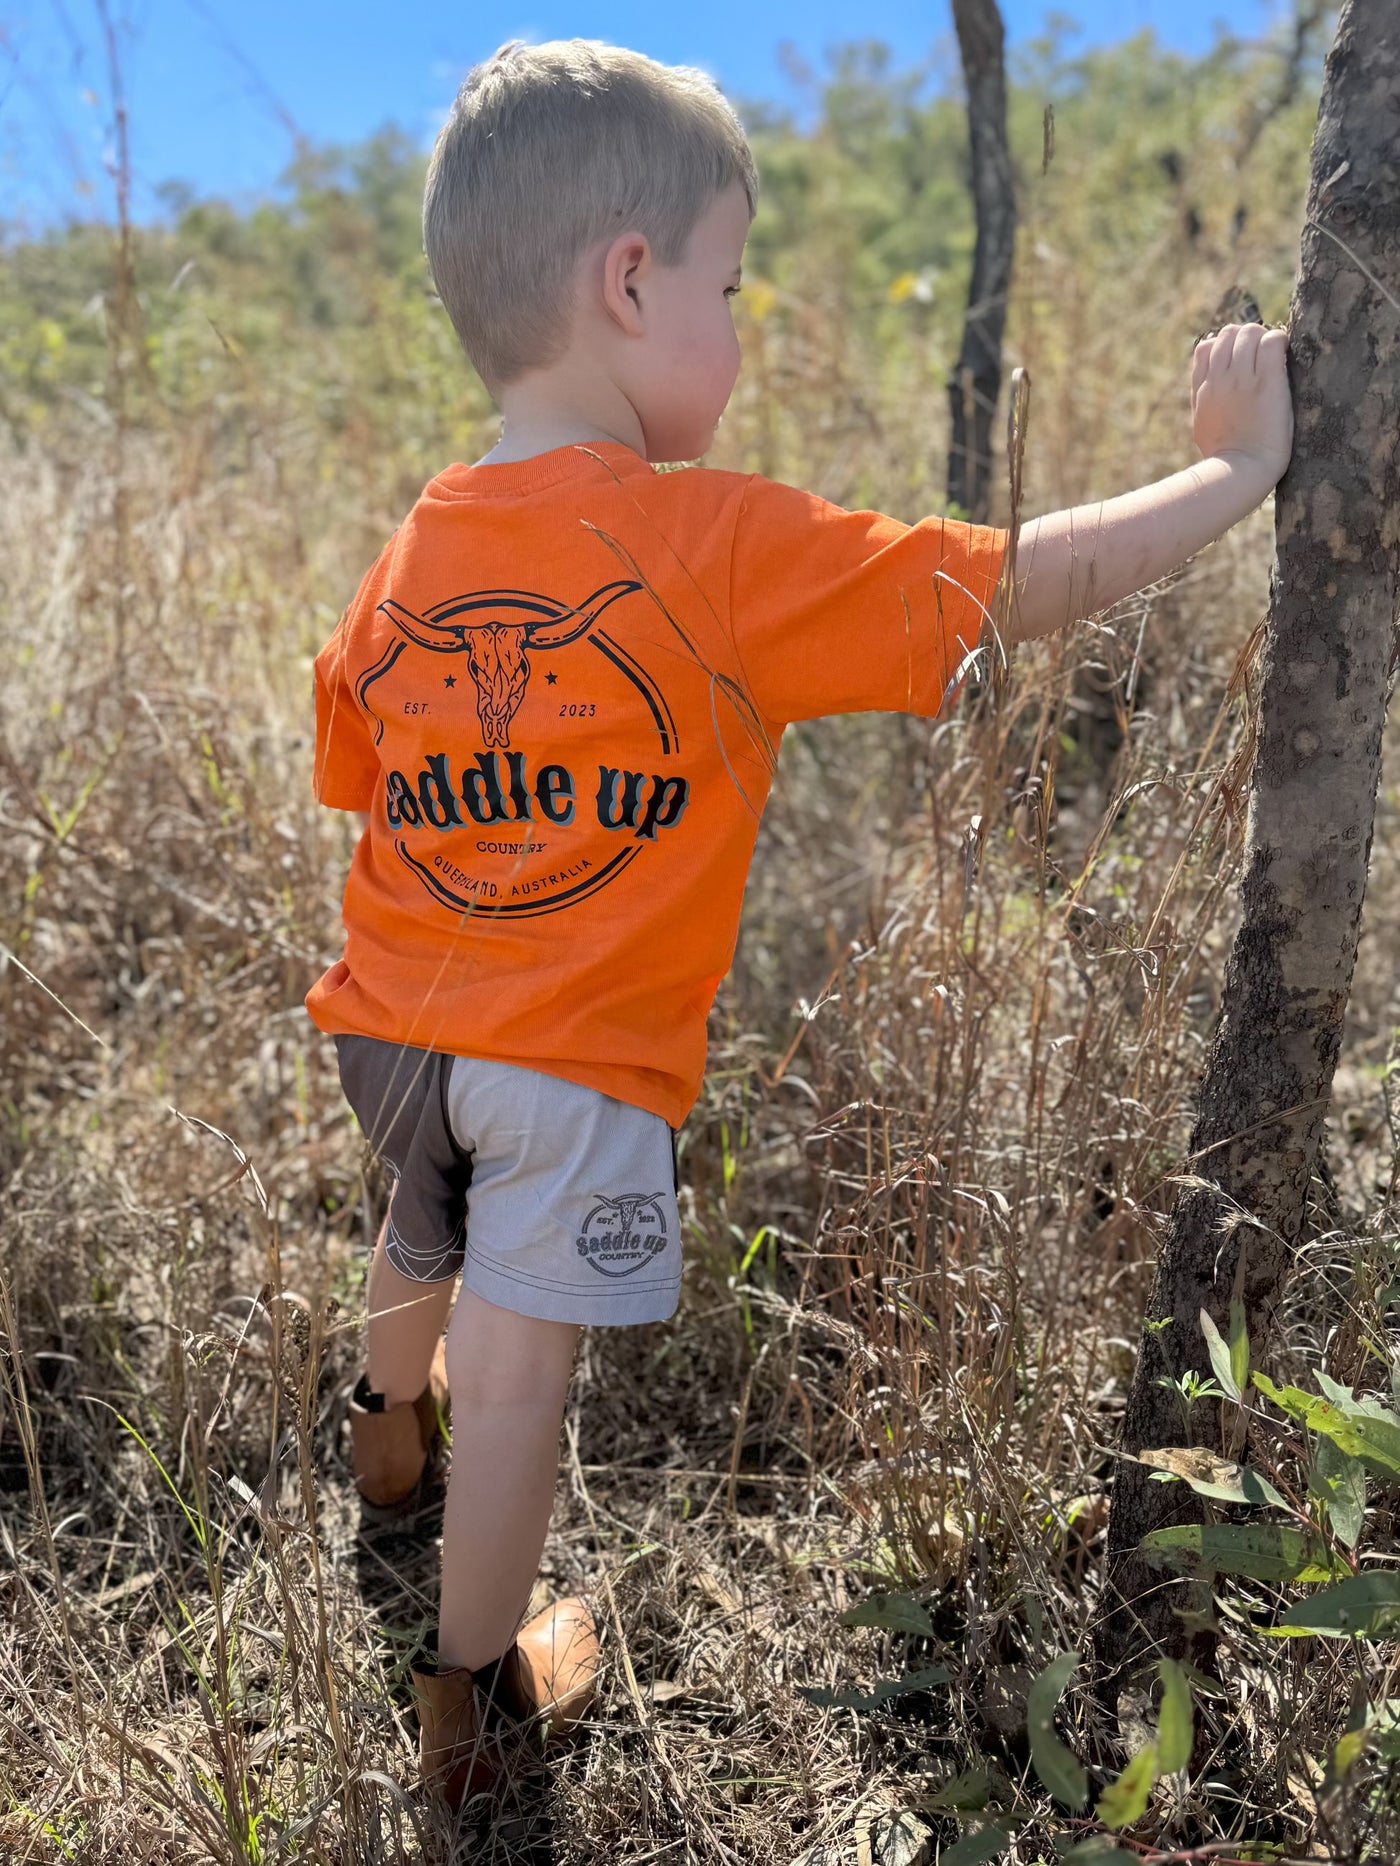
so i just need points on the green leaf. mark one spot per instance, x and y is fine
(1340, 1482)
(1058, 1767)
(1348, 1752)
(1262, 1551)
(1378, 1443)
(1176, 1734)
(1340, 1396)
(878, 1694)
(897, 1613)
(1361, 1428)
(977, 1848)
(1367, 1606)
(1292, 1400)
(1220, 1362)
(1239, 1345)
(1211, 1476)
(1125, 1801)
(1367, 1406)
(968, 1792)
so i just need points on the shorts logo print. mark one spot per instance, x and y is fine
(621, 1235)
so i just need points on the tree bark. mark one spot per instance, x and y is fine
(975, 382)
(1326, 663)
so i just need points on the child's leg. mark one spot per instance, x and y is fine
(406, 1321)
(509, 1376)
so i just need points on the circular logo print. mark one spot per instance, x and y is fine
(621, 1235)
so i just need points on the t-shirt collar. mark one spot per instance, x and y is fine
(509, 478)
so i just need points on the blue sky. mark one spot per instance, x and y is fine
(217, 89)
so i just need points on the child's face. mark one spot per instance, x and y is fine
(681, 376)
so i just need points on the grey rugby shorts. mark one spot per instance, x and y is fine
(550, 1198)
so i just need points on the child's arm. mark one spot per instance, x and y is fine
(1079, 562)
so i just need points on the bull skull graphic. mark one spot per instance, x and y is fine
(627, 1207)
(496, 648)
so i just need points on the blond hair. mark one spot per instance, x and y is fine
(547, 149)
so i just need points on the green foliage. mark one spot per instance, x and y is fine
(1319, 1448)
(879, 1694)
(1264, 1552)
(1124, 1802)
(1121, 1803)
(1175, 1726)
(1375, 1727)
(1347, 1435)
(1230, 1363)
(1190, 1388)
(1367, 1606)
(315, 308)
(977, 1848)
(1364, 1430)
(968, 1791)
(1339, 1483)
(1058, 1767)
(895, 1612)
(1341, 1437)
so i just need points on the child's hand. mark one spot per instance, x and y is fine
(1240, 401)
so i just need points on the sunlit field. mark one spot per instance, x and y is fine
(840, 1511)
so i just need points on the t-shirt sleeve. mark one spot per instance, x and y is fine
(347, 772)
(853, 612)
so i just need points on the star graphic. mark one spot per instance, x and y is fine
(451, 681)
(550, 679)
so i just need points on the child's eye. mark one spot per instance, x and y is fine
(732, 291)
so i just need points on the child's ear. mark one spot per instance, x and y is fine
(625, 265)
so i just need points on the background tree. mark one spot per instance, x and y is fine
(1327, 660)
(975, 382)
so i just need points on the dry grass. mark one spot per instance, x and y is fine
(922, 1206)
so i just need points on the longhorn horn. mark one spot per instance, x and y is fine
(527, 600)
(426, 634)
(576, 622)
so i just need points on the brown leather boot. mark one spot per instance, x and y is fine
(391, 1445)
(548, 1677)
(458, 1755)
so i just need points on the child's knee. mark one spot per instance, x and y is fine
(496, 1357)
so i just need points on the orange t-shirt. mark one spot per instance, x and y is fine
(559, 692)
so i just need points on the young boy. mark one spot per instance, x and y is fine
(557, 699)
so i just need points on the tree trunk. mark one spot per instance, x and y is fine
(1326, 662)
(975, 382)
